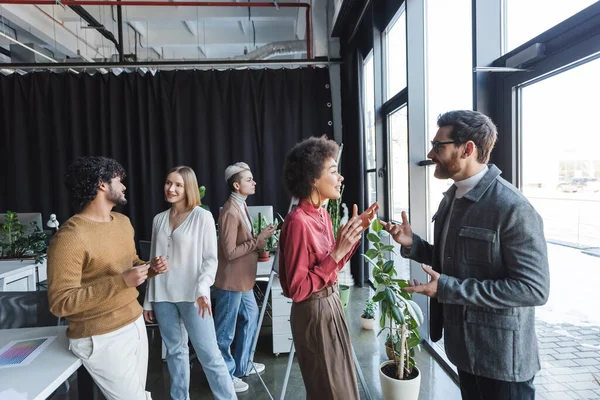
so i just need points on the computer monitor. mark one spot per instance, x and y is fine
(266, 211)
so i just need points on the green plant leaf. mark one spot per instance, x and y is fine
(402, 283)
(388, 266)
(397, 314)
(382, 320)
(389, 294)
(414, 310)
(371, 261)
(371, 253)
(413, 341)
(376, 226)
(379, 296)
(202, 192)
(371, 237)
(387, 247)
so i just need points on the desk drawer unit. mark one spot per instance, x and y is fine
(282, 331)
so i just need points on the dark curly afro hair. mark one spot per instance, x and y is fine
(304, 164)
(85, 173)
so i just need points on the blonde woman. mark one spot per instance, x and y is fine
(185, 234)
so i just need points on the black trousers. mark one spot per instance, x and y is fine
(473, 387)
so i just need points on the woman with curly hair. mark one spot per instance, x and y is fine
(310, 258)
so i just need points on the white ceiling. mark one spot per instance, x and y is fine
(179, 33)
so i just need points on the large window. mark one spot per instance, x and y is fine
(398, 144)
(395, 55)
(449, 60)
(450, 77)
(560, 175)
(526, 19)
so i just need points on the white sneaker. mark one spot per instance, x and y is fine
(239, 385)
(259, 368)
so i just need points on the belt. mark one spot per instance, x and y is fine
(325, 292)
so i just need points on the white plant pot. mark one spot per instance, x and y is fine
(368, 324)
(394, 389)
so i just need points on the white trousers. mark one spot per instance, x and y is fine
(117, 361)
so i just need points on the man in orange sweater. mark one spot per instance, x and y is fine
(93, 271)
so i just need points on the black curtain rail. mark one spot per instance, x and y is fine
(175, 64)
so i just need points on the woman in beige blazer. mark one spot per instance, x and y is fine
(236, 311)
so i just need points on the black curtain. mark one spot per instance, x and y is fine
(151, 123)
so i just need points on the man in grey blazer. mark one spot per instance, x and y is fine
(490, 264)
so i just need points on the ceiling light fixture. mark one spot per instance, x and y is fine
(33, 50)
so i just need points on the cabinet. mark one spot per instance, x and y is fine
(280, 312)
(281, 306)
(17, 276)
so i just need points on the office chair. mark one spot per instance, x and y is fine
(26, 310)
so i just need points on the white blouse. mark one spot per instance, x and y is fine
(191, 250)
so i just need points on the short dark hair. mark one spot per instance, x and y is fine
(233, 179)
(85, 173)
(471, 125)
(304, 164)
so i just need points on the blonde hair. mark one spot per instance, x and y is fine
(190, 184)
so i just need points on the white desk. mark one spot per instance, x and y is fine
(17, 276)
(40, 378)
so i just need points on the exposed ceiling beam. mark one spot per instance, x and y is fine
(192, 27)
(181, 38)
(55, 34)
(5, 51)
(161, 14)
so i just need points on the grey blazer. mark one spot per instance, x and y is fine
(495, 271)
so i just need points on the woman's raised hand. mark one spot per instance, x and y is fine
(351, 232)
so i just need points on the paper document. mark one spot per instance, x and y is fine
(22, 352)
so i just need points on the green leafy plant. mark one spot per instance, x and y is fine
(202, 192)
(335, 212)
(400, 315)
(370, 308)
(15, 242)
(261, 223)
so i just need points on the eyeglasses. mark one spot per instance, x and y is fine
(436, 145)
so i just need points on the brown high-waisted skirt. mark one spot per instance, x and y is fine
(323, 347)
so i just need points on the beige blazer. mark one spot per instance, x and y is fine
(237, 250)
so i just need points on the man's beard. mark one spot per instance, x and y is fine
(446, 170)
(117, 197)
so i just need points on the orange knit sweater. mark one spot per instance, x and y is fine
(86, 261)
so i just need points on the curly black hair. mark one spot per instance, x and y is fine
(85, 173)
(304, 164)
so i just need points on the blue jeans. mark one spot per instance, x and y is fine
(175, 321)
(236, 314)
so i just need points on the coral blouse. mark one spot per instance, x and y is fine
(305, 246)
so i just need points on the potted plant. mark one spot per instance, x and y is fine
(259, 225)
(16, 243)
(202, 192)
(339, 215)
(367, 319)
(335, 212)
(400, 317)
